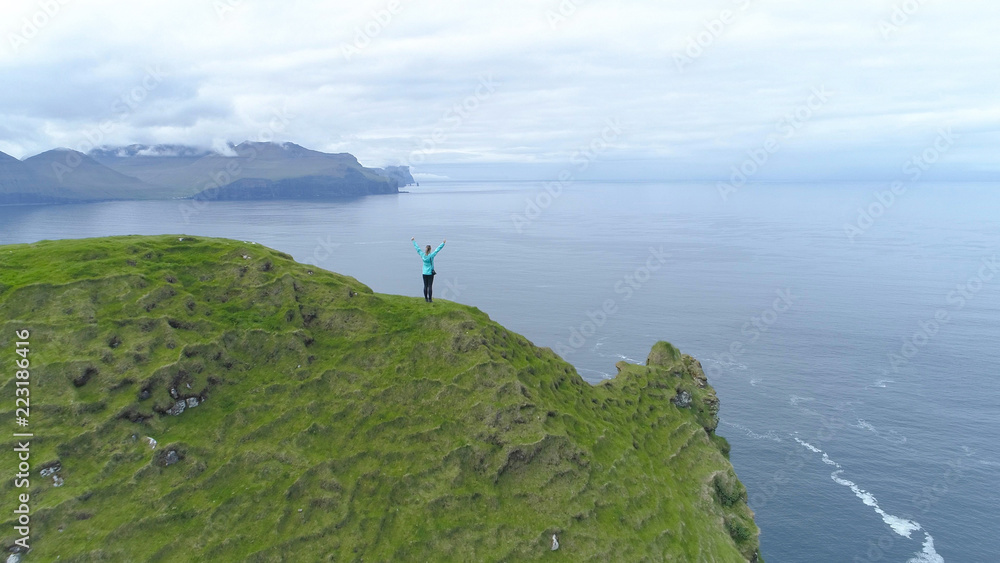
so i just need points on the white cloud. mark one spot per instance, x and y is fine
(226, 77)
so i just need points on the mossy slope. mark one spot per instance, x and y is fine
(336, 424)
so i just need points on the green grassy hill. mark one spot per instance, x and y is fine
(324, 422)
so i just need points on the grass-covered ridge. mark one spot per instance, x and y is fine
(336, 424)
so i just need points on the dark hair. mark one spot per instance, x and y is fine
(428, 250)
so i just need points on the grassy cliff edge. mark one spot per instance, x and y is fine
(298, 416)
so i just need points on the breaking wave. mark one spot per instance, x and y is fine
(900, 526)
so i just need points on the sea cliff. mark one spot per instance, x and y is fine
(210, 399)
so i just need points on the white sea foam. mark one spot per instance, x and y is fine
(864, 425)
(880, 384)
(729, 365)
(795, 400)
(754, 381)
(828, 461)
(888, 436)
(899, 525)
(771, 434)
(619, 357)
(809, 446)
(928, 555)
(600, 374)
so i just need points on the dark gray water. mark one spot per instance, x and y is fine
(857, 374)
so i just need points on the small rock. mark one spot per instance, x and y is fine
(14, 558)
(151, 442)
(189, 385)
(181, 239)
(682, 400)
(192, 402)
(144, 394)
(555, 543)
(245, 257)
(50, 470)
(57, 480)
(171, 458)
(173, 393)
(178, 408)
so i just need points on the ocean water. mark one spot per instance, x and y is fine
(852, 336)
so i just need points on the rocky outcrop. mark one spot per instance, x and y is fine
(399, 173)
(682, 399)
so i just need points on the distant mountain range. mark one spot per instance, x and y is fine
(252, 171)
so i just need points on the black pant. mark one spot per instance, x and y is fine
(428, 286)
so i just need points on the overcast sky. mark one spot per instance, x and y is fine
(847, 89)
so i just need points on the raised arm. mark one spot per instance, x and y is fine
(415, 245)
(438, 249)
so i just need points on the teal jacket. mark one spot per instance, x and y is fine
(428, 258)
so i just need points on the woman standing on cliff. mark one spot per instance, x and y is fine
(428, 257)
